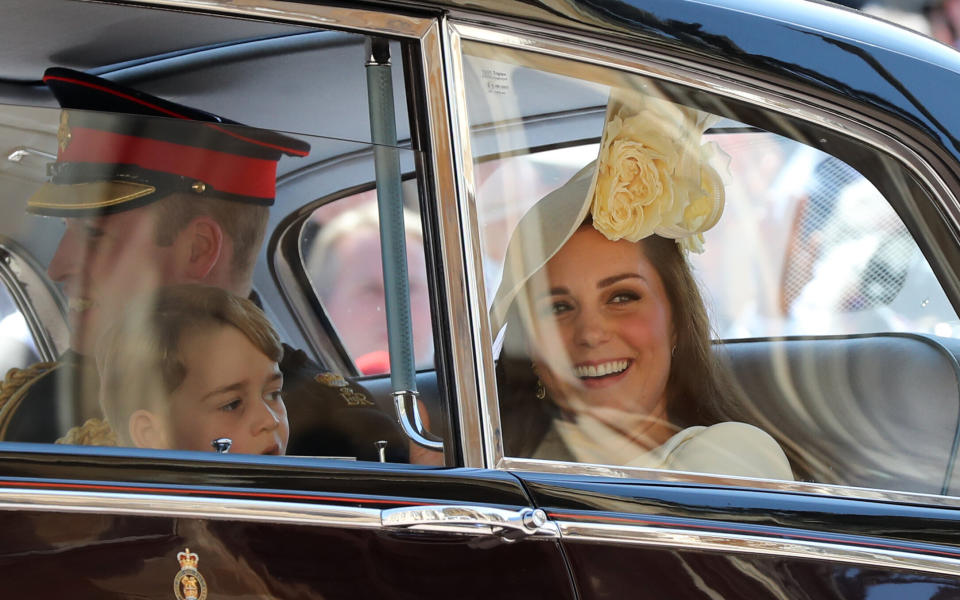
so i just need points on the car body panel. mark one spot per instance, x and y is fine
(109, 523)
(282, 530)
(709, 537)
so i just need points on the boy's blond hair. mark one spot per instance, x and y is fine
(139, 357)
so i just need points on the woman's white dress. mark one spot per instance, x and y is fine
(729, 448)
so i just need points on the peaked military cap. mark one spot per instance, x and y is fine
(120, 148)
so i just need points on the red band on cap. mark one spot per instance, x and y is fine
(225, 172)
(174, 114)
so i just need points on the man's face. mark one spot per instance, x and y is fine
(101, 263)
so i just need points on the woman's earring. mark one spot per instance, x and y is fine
(673, 352)
(541, 391)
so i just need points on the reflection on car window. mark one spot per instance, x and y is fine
(622, 236)
(811, 247)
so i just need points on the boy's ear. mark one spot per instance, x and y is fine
(200, 247)
(147, 430)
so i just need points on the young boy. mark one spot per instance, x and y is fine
(191, 365)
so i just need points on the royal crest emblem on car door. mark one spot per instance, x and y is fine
(189, 583)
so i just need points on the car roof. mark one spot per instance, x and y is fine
(860, 59)
(75, 32)
(809, 45)
(98, 38)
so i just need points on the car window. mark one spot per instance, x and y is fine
(683, 282)
(340, 244)
(161, 219)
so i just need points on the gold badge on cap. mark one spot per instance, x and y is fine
(63, 133)
(189, 583)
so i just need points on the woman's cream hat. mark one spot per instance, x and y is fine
(651, 177)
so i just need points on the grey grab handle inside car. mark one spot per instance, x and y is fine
(383, 132)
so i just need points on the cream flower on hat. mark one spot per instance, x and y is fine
(652, 176)
(653, 172)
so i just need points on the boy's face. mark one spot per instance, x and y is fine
(231, 390)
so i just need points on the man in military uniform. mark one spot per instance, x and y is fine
(156, 193)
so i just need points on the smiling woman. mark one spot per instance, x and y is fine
(602, 309)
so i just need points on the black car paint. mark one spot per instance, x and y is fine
(92, 552)
(123, 556)
(607, 569)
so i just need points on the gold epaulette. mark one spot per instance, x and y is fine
(18, 380)
(94, 432)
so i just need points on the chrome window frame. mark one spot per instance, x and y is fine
(680, 539)
(656, 65)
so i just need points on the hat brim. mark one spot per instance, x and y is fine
(553, 220)
(91, 198)
(540, 234)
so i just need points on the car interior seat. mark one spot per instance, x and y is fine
(876, 410)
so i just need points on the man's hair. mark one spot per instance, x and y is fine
(140, 358)
(245, 224)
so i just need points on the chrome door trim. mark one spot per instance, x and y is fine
(269, 511)
(591, 52)
(470, 322)
(753, 544)
(616, 474)
(511, 525)
(436, 52)
(347, 19)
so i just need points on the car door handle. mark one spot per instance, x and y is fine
(477, 520)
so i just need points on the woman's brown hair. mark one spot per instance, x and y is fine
(698, 388)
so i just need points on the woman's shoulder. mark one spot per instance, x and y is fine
(736, 432)
(729, 448)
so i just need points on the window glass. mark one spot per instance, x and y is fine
(629, 226)
(341, 247)
(810, 246)
(151, 215)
